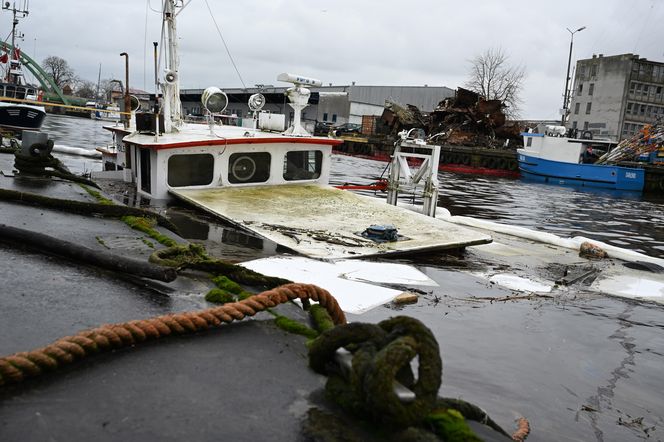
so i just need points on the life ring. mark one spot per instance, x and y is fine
(587, 135)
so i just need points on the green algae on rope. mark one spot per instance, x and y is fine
(82, 207)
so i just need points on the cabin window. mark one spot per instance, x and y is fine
(303, 165)
(577, 106)
(249, 167)
(591, 88)
(529, 142)
(588, 106)
(10, 92)
(190, 170)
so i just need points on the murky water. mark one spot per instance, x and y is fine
(629, 220)
(579, 367)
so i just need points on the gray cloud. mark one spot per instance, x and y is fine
(369, 42)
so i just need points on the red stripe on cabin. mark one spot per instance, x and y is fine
(226, 142)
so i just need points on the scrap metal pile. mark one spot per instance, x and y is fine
(649, 139)
(465, 119)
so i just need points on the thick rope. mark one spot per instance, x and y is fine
(20, 366)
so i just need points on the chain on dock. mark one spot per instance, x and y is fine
(20, 366)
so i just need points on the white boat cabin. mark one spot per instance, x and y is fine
(563, 149)
(201, 157)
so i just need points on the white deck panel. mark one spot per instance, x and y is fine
(325, 222)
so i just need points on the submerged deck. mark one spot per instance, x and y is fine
(324, 222)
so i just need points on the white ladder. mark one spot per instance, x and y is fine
(420, 180)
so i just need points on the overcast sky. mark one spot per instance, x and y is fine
(370, 42)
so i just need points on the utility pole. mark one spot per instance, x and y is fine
(569, 63)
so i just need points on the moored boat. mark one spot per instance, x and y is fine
(562, 160)
(263, 179)
(19, 107)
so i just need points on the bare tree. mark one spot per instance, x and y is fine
(494, 78)
(58, 69)
(86, 89)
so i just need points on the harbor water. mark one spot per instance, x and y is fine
(579, 366)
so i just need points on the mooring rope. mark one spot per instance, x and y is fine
(20, 366)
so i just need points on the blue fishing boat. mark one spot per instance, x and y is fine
(569, 161)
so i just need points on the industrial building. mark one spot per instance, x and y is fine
(333, 104)
(614, 97)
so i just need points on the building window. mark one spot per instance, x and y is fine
(580, 90)
(574, 124)
(577, 106)
(629, 108)
(642, 110)
(334, 118)
(325, 116)
(591, 88)
(585, 125)
(593, 70)
(632, 87)
(588, 106)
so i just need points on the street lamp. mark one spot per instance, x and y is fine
(569, 62)
(127, 100)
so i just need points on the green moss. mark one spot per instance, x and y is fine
(96, 195)
(226, 284)
(450, 425)
(148, 243)
(146, 225)
(321, 318)
(219, 296)
(296, 327)
(101, 241)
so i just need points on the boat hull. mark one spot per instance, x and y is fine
(21, 117)
(585, 175)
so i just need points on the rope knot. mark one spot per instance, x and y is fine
(369, 369)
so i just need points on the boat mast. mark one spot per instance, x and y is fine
(14, 77)
(171, 84)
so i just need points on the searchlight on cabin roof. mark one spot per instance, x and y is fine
(214, 100)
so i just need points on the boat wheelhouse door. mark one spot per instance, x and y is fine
(145, 170)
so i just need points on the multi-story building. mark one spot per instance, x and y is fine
(614, 97)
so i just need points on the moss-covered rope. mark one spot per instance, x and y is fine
(38, 164)
(193, 256)
(83, 207)
(381, 357)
